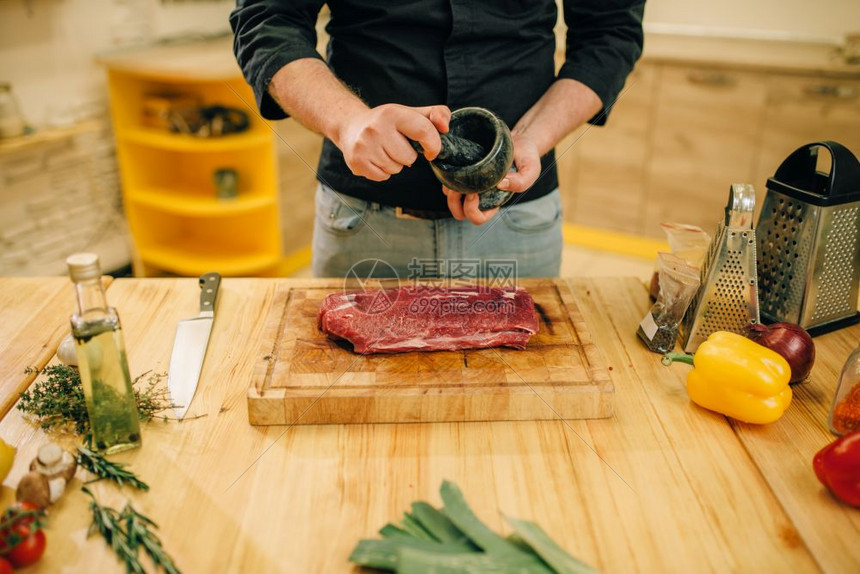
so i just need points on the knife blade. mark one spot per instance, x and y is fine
(189, 347)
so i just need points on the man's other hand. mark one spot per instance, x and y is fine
(527, 161)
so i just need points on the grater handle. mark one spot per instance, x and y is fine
(741, 205)
(799, 170)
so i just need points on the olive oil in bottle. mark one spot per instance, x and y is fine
(112, 409)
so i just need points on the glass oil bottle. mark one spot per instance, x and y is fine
(99, 346)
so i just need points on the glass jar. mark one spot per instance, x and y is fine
(845, 410)
(226, 183)
(11, 122)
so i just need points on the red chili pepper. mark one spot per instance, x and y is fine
(837, 466)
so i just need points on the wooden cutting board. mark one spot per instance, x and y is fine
(305, 378)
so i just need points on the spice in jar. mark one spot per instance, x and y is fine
(845, 410)
(846, 413)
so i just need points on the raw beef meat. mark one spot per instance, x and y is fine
(430, 319)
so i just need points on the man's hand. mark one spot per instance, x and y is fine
(375, 143)
(527, 162)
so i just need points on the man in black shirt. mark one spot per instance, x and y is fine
(393, 71)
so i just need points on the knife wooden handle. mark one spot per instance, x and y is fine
(209, 284)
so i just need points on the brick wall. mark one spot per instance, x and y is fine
(58, 198)
(62, 197)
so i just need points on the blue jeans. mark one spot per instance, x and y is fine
(349, 230)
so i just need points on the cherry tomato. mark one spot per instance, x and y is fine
(5, 567)
(19, 528)
(25, 506)
(28, 551)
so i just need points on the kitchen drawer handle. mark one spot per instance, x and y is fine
(840, 92)
(704, 78)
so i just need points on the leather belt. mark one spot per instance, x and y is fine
(407, 213)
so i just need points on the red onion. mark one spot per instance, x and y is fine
(789, 340)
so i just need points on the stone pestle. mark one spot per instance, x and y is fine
(456, 151)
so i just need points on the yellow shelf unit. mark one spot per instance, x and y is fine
(188, 143)
(178, 223)
(191, 244)
(171, 201)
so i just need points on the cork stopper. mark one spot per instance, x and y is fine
(50, 454)
(84, 266)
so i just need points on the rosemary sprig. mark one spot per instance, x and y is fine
(139, 534)
(58, 402)
(108, 523)
(96, 464)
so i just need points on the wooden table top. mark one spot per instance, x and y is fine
(750, 53)
(663, 486)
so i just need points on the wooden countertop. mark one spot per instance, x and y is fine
(748, 53)
(208, 60)
(663, 486)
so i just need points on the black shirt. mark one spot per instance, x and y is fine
(497, 54)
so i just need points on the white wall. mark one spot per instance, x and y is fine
(47, 46)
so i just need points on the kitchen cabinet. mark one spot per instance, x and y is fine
(609, 165)
(806, 109)
(180, 223)
(699, 114)
(705, 128)
(298, 155)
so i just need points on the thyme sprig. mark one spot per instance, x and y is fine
(58, 402)
(96, 464)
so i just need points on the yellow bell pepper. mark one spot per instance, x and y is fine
(737, 377)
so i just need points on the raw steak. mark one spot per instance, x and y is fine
(430, 319)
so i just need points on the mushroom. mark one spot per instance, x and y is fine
(54, 461)
(34, 487)
(49, 472)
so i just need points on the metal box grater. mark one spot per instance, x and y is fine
(809, 241)
(727, 297)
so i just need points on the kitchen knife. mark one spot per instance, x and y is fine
(189, 347)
